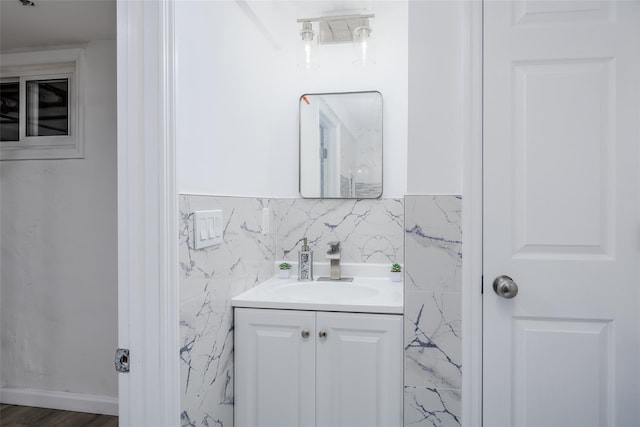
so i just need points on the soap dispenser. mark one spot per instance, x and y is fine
(305, 262)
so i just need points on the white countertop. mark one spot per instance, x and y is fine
(363, 295)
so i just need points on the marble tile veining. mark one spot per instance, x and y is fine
(370, 231)
(206, 358)
(433, 243)
(432, 407)
(433, 344)
(433, 311)
(244, 258)
(209, 278)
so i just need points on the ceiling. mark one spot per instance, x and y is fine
(69, 22)
(55, 23)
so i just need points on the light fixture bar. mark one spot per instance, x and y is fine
(336, 18)
(338, 28)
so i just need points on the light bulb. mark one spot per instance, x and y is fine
(308, 55)
(363, 46)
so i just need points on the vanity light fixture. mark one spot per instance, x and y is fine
(354, 29)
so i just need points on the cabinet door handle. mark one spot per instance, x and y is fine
(305, 333)
(322, 334)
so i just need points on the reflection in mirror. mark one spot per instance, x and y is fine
(341, 145)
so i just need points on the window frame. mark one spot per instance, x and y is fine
(45, 65)
(4, 80)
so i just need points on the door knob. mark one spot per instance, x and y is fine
(322, 334)
(305, 333)
(505, 287)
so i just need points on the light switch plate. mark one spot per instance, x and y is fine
(207, 228)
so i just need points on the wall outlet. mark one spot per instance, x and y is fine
(208, 228)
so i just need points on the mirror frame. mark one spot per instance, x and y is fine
(300, 100)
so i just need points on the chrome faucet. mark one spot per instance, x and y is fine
(333, 254)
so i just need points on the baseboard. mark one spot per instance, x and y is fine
(59, 400)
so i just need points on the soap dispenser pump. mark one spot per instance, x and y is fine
(305, 262)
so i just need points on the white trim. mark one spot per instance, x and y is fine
(170, 223)
(148, 322)
(472, 215)
(59, 400)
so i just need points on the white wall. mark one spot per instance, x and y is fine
(434, 161)
(238, 91)
(58, 301)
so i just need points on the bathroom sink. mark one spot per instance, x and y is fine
(323, 291)
(364, 295)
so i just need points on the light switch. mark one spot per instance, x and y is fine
(218, 225)
(208, 228)
(203, 229)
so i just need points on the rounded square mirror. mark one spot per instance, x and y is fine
(341, 145)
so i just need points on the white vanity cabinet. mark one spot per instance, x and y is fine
(274, 381)
(323, 369)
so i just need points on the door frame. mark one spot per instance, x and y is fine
(148, 304)
(472, 57)
(147, 256)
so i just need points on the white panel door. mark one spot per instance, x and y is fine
(561, 213)
(359, 370)
(274, 368)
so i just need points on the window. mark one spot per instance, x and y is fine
(41, 105)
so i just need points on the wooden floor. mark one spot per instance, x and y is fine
(26, 416)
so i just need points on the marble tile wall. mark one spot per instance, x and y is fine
(432, 290)
(371, 231)
(209, 278)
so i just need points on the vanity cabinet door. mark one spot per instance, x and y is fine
(274, 368)
(359, 370)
